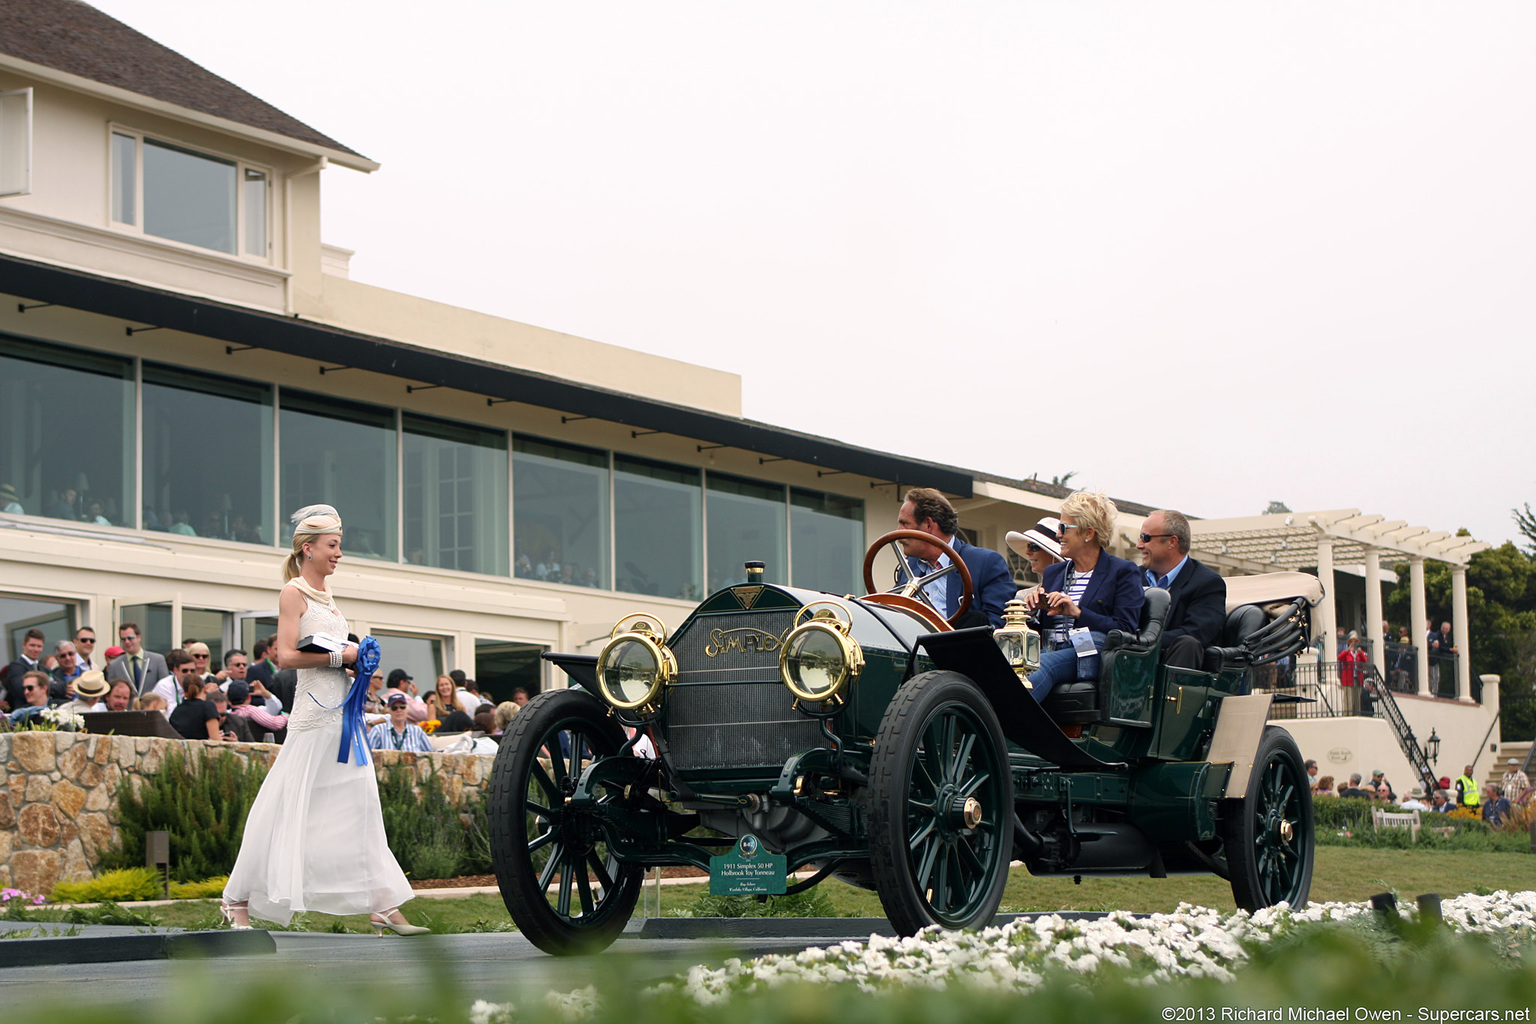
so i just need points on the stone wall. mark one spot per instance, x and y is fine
(58, 793)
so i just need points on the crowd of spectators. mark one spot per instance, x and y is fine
(1492, 801)
(246, 699)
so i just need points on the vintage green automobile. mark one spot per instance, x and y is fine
(863, 738)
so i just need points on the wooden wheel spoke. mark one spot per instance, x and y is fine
(584, 890)
(547, 876)
(599, 867)
(921, 834)
(961, 756)
(922, 869)
(540, 841)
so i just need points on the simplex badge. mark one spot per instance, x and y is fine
(748, 870)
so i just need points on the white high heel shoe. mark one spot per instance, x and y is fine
(237, 915)
(395, 922)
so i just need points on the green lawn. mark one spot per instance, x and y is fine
(1341, 873)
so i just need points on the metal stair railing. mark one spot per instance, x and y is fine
(1400, 727)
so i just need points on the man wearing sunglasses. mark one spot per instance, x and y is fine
(1198, 605)
(34, 691)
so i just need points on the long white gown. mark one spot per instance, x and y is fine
(314, 839)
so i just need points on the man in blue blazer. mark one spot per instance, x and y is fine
(1197, 606)
(928, 511)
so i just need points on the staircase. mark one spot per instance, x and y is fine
(1495, 767)
(1389, 710)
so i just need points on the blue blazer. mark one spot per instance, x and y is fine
(1114, 596)
(990, 578)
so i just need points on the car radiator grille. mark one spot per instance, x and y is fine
(728, 708)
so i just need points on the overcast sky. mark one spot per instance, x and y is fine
(1203, 255)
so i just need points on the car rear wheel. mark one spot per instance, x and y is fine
(941, 806)
(562, 885)
(1268, 834)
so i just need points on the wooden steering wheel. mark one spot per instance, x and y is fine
(915, 587)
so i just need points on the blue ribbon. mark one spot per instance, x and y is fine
(354, 734)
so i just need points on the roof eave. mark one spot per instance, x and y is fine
(129, 98)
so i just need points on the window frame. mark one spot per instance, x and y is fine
(242, 214)
(16, 104)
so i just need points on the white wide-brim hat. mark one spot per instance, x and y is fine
(1042, 534)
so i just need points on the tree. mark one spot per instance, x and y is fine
(1526, 521)
(1276, 507)
(1061, 481)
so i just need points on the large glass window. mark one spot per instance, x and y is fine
(66, 433)
(343, 454)
(746, 523)
(455, 495)
(207, 455)
(19, 614)
(502, 666)
(559, 512)
(422, 657)
(173, 192)
(827, 538)
(658, 528)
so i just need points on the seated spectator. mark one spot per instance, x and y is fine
(89, 688)
(119, 697)
(1495, 805)
(61, 686)
(1084, 597)
(443, 700)
(1324, 786)
(10, 502)
(485, 725)
(465, 692)
(1353, 789)
(34, 692)
(1379, 780)
(376, 695)
(519, 696)
(1415, 801)
(1514, 783)
(195, 718)
(262, 720)
(181, 667)
(150, 702)
(398, 733)
(231, 727)
(505, 711)
(456, 721)
(1440, 803)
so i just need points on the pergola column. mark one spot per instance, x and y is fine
(1461, 630)
(1373, 609)
(1420, 612)
(1327, 620)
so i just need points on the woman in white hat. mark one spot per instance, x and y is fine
(314, 839)
(1038, 544)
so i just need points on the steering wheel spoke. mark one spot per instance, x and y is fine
(916, 586)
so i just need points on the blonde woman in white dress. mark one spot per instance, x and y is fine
(314, 840)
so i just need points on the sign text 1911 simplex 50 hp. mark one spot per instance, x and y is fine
(864, 738)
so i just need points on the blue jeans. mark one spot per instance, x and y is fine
(1062, 665)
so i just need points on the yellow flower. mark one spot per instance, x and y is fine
(430, 725)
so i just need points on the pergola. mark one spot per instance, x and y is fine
(1298, 540)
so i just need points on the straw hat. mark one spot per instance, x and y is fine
(1043, 534)
(92, 685)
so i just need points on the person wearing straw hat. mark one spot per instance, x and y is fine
(10, 502)
(90, 688)
(1038, 545)
(1515, 782)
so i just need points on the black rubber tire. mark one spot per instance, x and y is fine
(928, 867)
(1269, 834)
(533, 831)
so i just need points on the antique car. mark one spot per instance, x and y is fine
(865, 738)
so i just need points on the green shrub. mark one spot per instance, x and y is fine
(207, 889)
(428, 835)
(203, 807)
(1335, 815)
(810, 903)
(122, 885)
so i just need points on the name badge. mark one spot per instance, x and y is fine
(1082, 641)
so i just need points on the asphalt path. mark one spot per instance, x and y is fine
(498, 966)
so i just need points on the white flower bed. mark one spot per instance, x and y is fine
(1190, 942)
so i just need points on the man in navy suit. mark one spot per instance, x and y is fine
(1198, 596)
(928, 511)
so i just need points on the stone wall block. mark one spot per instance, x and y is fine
(72, 759)
(68, 798)
(7, 844)
(35, 871)
(91, 775)
(62, 741)
(68, 832)
(17, 784)
(37, 825)
(77, 866)
(38, 788)
(96, 835)
(98, 799)
(34, 750)
(423, 769)
(149, 760)
(102, 748)
(7, 816)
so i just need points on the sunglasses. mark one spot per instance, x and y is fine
(202, 657)
(1034, 548)
(30, 689)
(1147, 538)
(85, 640)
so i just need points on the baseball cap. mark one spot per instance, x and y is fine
(397, 700)
(397, 675)
(239, 692)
